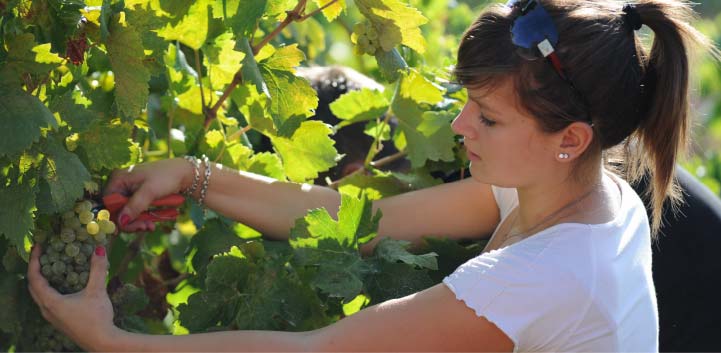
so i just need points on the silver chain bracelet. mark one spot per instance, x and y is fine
(204, 189)
(196, 175)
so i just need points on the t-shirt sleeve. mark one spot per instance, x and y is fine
(506, 199)
(537, 306)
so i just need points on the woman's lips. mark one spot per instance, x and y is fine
(472, 156)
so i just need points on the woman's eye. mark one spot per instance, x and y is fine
(486, 121)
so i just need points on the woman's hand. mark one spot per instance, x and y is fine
(86, 317)
(145, 183)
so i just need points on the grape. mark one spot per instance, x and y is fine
(84, 205)
(100, 237)
(84, 277)
(81, 234)
(73, 223)
(81, 259)
(85, 217)
(107, 226)
(72, 278)
(53, 257)
(93, 228)
(67, 215)
(72, 250)
(44, 259)
(87, 249)
(65, 258)
(47, 270)
(57, 244)
(58, 268)
(103, 215)
(67, 235)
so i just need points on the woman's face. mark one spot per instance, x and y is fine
(505, 145)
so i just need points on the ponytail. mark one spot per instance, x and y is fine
(662, 134)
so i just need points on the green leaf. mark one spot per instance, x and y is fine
(357, 106)
(292, 97)
(267, 164)
(21, 118)
(222, 61)
(332, 247)
(63, 175)
(398, 22)
(392, 250)
(240, 15)
(71, 110)
(214, 238)
(428, 133)
(451, 254)
(333, 11)
(253, 105)
(192, 29)
(125, 52)
(26, 56)
(16, 216)
(107, 146)
(375, 186)
(309, 151)
(395, 280)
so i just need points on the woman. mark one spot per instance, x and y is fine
(568, 267)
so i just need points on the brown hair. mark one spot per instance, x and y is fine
(634, 97)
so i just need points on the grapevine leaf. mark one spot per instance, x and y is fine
(26, 56)
(222, 61)
(309, 151)
(292, 97)
(64, 176)
(395, 280)
(192, 29)
(16, 216)
(357, 106)
(70, 109)
(9, 301)
(125, 52)
(450, 254)
(254, 105)
(333, 11)
(428, 134)
(107, 146)
(399, 22)
(21, 118)
(332, 246)
(375, 186)
(240, 15)
(143, 20)
(214, 238)
(392, 250)
(267, 164)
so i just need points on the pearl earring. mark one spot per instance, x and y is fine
(563, 155)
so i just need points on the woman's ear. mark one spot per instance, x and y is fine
(573, 140)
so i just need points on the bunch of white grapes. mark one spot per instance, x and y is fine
(65, 261)
(366, 39)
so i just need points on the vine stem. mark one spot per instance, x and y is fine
(377, 164)
(291, 16)
(316, 11)
(200, 78)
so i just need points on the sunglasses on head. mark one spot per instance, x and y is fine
(535, 35)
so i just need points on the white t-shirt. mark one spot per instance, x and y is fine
(570, 287)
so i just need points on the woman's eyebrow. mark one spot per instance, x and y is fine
(478, 101)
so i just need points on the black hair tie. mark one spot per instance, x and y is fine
(631, 17)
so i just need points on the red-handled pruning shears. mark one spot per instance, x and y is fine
(115, 202)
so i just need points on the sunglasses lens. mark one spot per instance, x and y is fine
(533, 27)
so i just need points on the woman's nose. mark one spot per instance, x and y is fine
(461, 125)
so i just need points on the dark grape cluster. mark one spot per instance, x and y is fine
(365, 37)
(65, 261)
(47, 339)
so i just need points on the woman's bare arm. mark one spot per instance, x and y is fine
(463, 209)
(410, 323)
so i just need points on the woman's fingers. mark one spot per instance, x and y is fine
(98, 271)
(139, 202)
(39, 287)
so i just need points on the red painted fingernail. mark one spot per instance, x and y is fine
(100, 250)
(124, 219)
